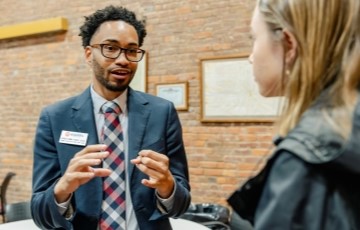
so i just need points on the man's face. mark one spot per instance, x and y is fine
(112, 76)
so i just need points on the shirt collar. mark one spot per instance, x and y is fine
(99, 101)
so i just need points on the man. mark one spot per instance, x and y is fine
(79, 183)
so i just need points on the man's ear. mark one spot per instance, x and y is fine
(88, 56)
(290, 46)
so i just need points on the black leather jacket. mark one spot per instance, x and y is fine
(321, 150)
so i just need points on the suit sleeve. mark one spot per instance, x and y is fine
(294, 191)
(178, 166)
(46, 171)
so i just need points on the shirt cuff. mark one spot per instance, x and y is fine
(164, 205)
(63, 207)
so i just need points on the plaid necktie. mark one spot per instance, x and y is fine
(113, 206)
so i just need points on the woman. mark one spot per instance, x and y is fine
(311, 179)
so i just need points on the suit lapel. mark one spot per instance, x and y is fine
(138, 114)
(83, 117)
(84, 121)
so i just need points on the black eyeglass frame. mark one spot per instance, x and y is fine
(121, 50)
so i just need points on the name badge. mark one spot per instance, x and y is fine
(73, 138)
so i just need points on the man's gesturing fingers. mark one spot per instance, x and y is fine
(80, 170)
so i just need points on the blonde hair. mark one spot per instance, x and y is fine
(323, 30)
(351, 65)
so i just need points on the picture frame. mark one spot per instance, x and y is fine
(229, 92)
(174, 92)
(139, 82)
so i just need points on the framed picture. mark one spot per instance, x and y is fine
(139, 81)
(230, 94)
(174, 92)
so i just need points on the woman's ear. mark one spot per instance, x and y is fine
(290, 45)
(88, 56)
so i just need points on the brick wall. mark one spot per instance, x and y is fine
(38, 70)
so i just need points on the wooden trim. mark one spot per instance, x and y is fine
(35, 27)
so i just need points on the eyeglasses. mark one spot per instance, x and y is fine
(113, 52)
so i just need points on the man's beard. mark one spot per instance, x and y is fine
(99, 74)
(109, 86)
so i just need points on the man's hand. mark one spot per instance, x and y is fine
(156, 166)
(80, 171)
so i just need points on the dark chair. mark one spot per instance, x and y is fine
(3, 189)
(18, 211)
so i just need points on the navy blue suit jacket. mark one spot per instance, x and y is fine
(153, 124)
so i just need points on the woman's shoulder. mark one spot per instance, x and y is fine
(314, 139)
(350, 159)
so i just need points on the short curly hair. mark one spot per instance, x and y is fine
(110, 13)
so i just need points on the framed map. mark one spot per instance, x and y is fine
(230, 94)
